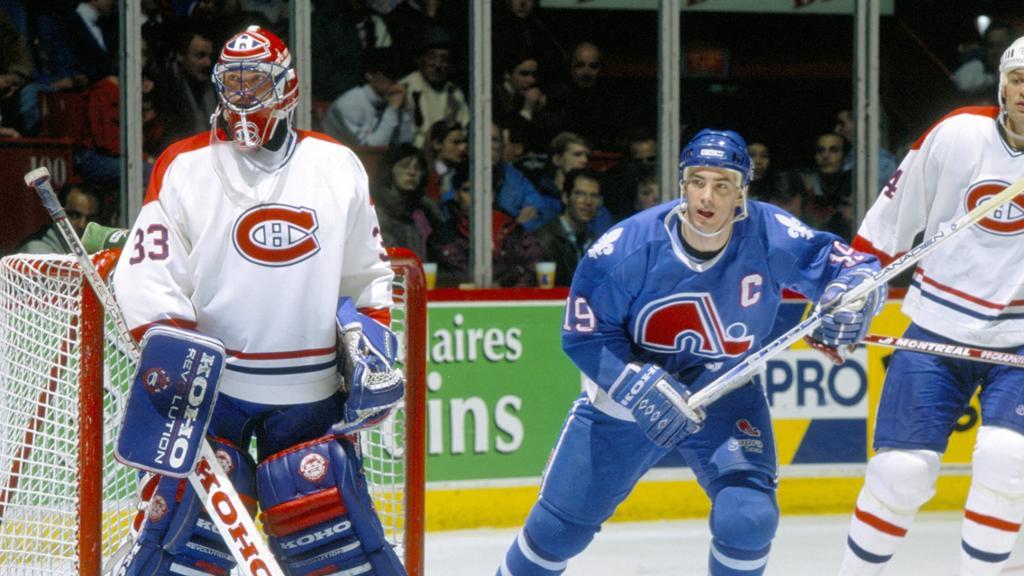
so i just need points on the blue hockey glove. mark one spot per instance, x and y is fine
(659, 404)
(841, 330)
(366, 357)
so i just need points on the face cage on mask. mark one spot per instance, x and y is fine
(252, 125)
(267, 92)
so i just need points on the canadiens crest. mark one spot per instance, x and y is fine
(1007, 220)
(276, 234)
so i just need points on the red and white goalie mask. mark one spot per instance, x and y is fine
(257, 87)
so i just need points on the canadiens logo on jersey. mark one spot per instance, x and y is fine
(1008, 219)
(276, 234)
(689, 322)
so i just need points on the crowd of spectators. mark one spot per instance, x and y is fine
(391, 75)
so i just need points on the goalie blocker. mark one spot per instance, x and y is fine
(170, 402)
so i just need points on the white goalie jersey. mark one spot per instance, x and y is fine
(257, 260)
(971, 288)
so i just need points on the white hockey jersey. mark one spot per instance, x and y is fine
(257, 260)
(971, 288)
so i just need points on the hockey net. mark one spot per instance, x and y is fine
(65, 503)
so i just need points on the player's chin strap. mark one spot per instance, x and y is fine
(741, 214)
(1005, 123)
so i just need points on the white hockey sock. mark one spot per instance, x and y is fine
(991, 523)
(875, 532)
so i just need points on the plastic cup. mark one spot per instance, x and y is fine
(430, 271)
(546, 274)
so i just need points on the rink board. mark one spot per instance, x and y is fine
(499, 388)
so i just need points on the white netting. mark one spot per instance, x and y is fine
(40, 364)
(383, 447)
(40, 427)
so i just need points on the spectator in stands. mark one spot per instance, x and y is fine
(221, 18)
(826, 186)
(518, 99)
(568, 152)
(648, 191)
(373, 114)
(15, 71)
(519, 28)
(342, 30)
(184, 96)
(978, 74)
(514, 194)
(886, 160)
(784, 189)
(447, 153)
(582, 104)
(515, 251)
(619, 183)
(407, 217)
(88, 40)
(565, 239)
(431, 96)
(412, 19)
(82, 206)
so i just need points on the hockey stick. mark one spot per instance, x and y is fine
(208, 479)
(739, 374)
(958, 351)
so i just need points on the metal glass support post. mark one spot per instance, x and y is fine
(300, 42)
(669, 72)
(480, 142)
(866, 107)
(130, 58)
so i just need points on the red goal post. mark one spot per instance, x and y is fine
(65, 503)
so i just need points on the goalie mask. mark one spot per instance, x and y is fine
(723, 149)
(257, 87)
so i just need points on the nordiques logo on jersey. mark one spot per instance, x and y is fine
(689, 322)
(1007, 220)
(276, 234)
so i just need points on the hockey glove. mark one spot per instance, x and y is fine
(366, 356)
(659, 405)
(841, 330)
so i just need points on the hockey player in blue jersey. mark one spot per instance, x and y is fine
(660, 306)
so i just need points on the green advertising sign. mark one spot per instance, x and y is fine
(498, 388)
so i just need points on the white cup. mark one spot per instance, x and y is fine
(430, 271)
(546, 274)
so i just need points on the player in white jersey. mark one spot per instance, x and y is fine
(968, 291)
(251, 233)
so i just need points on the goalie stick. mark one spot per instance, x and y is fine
(209, 480)
(739, 374)
(948, 350)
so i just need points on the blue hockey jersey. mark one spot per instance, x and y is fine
(638, 297)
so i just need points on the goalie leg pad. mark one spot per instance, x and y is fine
(318, 513)
(173, 533)
(744, 517)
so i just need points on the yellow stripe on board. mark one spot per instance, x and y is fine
(507, 507)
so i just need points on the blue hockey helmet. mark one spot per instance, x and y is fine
(717, 149)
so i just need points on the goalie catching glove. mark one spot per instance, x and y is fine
(841, 329)
(659, 404)
(366, 357)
